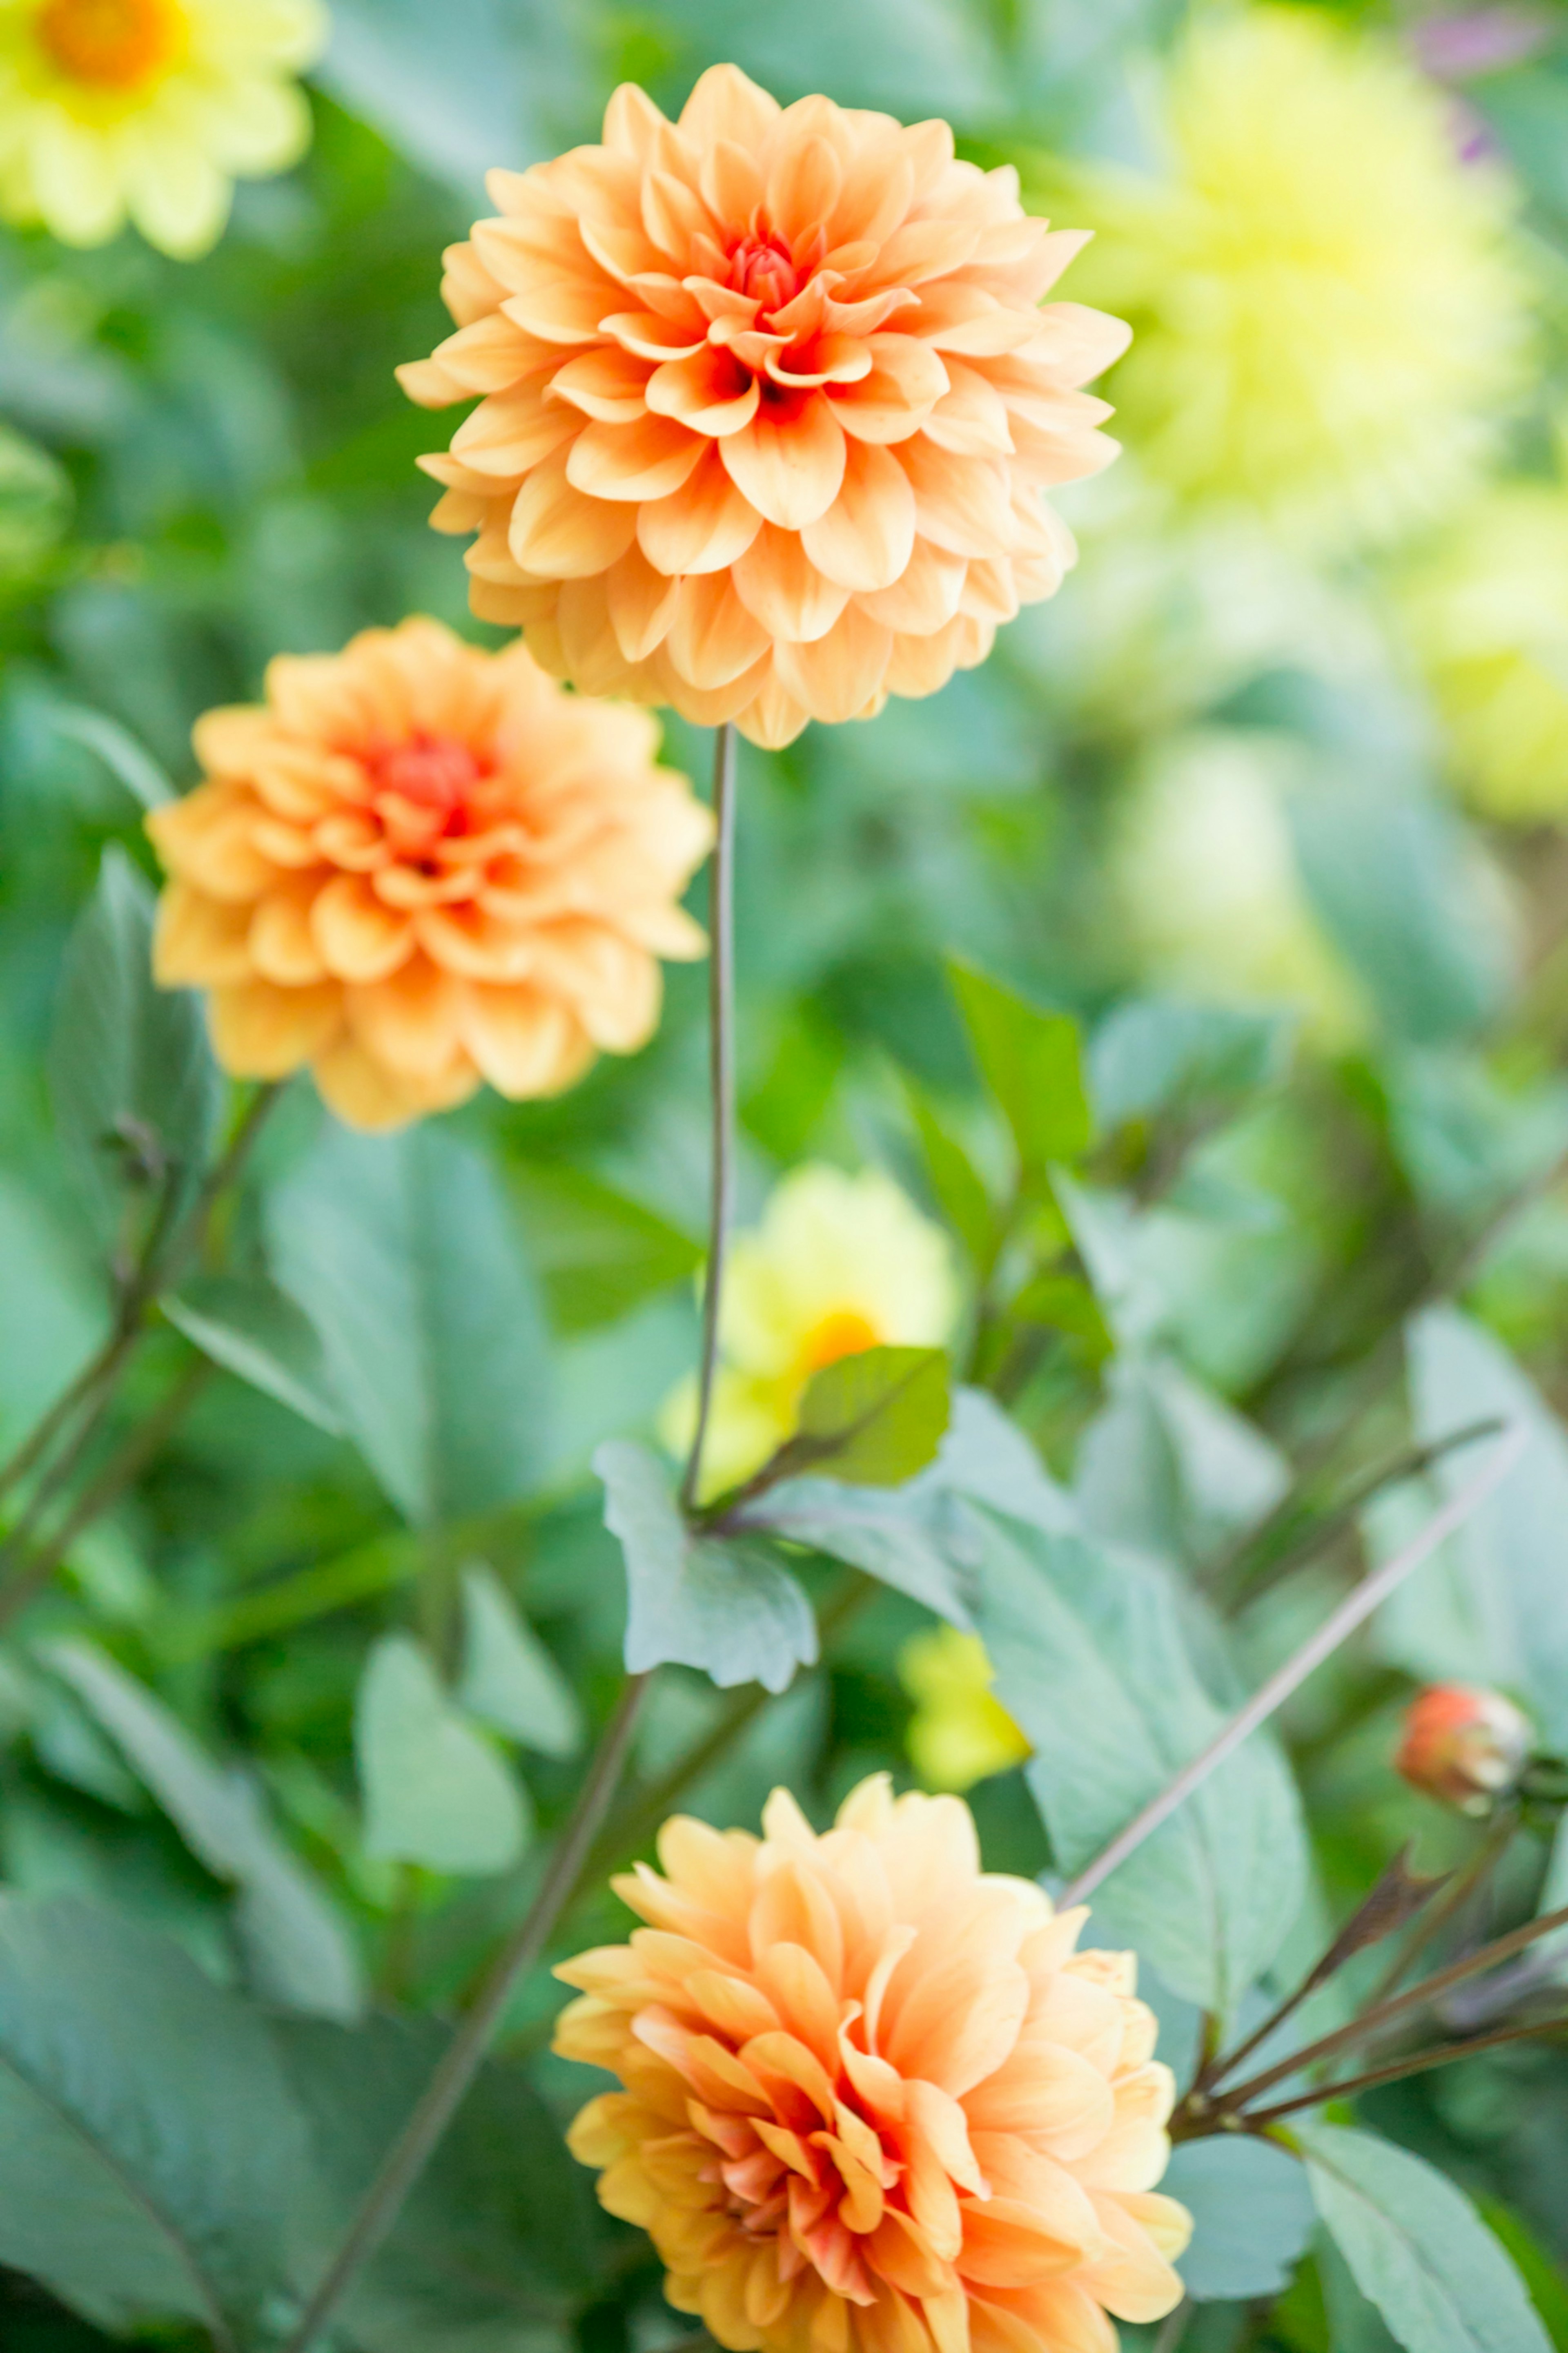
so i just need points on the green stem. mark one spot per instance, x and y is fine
(1499, 1832)
(722, 1079)
(1442, 2054)
(464, 2055)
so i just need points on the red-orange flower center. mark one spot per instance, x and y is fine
(109, 43)
(432, 775)
(761, 265)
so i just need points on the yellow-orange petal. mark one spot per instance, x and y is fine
(834, 677)
(704, 527)
(648, 459)
(866, 537)
(261, 1031)
(777, 582)
(557, 531)
(789, 462)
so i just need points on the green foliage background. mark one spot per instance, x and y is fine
(203, 466)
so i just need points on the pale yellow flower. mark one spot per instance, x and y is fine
(1486, 616)
(960, 1732)
(875, 2099)
(147, 110)
(1327, 310)
(1206, 874)
(839, 1263)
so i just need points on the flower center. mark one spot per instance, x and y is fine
(760, 266)
(110, 43)
(844, 1333)
(434, 776)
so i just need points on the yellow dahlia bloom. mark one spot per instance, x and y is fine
(838, 1263)
(960, 1732)
(769, 404)
(1205, 873)
(1486, 614)
(1327, 311)
(875, 2101)
(147, 111)
(418, 866)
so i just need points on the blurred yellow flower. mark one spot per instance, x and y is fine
(1327, 315)
(1205, 872)
(839, 1263)
(147, 110)
(960, 1732)
(1486, 614)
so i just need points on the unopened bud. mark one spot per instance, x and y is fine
(1464, 1745)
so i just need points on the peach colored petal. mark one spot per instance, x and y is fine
(648, 459)
(789, 462)
(556, 529)
(866, 539)
(713, 637)
(778, 583)
(926, 595)
(200, 942)
(704, 528)
(834, 677)
(261, 1031)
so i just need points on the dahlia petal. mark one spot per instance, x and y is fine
(900, 2255)
(703, 527)
(731, 182)
(713, 637)
(490, 355)
(956, 317)
(1047, 459)
(839, 673)
(710, 392)
(524, 1043)
(926, 595)
(650, 337)
(866, 538)
(922, 250)
(281, 943)
(466, 287)
(608, 384)
(770, 718)
(792, 1906)
(410, 1022)
(777, 582)
(515, 608)
(783, 2062)
(725, 104)
(961, 503)
(1007, 2245)
(970, 418)
(906, 382)
(874, 197)
(733, 2004)
(803, 181)
(557, 531)
(428, 385)
(796, 1989)
(594, 658)
(621, 252)
(920, 666)
(641, 604)
(989, 590)
(789, 462)
(673, 213)
(227, 742)
(563, 310)
(261, 1031)
(705, 706)
(1049, 2092)
(829, 359)
(210, 838)
(364, 1093)
(512, 431)
(1132, 2279)
(200, 942)
(942, 2124)
(648, 459)
(1056, 2313)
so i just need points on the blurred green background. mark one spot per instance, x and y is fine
(1285, 748)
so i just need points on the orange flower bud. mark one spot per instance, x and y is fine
(1465, 1745)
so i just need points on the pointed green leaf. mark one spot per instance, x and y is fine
(127, 760)
(874, 1418)
(436, 1789)
(1032, 1062)
(727, 1605)
(959, 1188)
(136, 1091)
(244, 1322)
(599, 1253)
(509, 1677)
(1417, 2249)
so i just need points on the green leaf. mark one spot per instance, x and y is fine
(122, 756)
(299, 1948)
(498, 2237)
(1502, 1587)
(727, 1605)
(874, 1418)
(403, 1253)
(147, 2143)
(1065, 1303)
(958, 1186)
(510, 1679)
(1417, 2249)
(1252, 2216)
(599, 1254)
(1157, 1057)
(136, 1091)
(436, 1789)
(898, 1538)
(244, 1322)
(1168, 1466)
(1093, 1663)
(1544, 2283)
(1032, 1062)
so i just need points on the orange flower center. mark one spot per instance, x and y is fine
(761, 265)
(110, 43)
(845, 1333)
(426, 782)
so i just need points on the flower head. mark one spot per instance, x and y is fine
(838, 1264)
(875, 2099)
(1327, 312)
(769, 399)
(418, 866)
(960, 1732)
(1486, 617)
(148, 110)
(1465, 1745)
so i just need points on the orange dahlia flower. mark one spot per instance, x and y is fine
(418, 865)
(769, 401)
(875, 2102)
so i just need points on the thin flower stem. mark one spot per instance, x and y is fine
(1442, 2054)
(1368, 1595)
(464, 2055)
(722, 1079)
(1460, 1888)
(1373, 2022)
